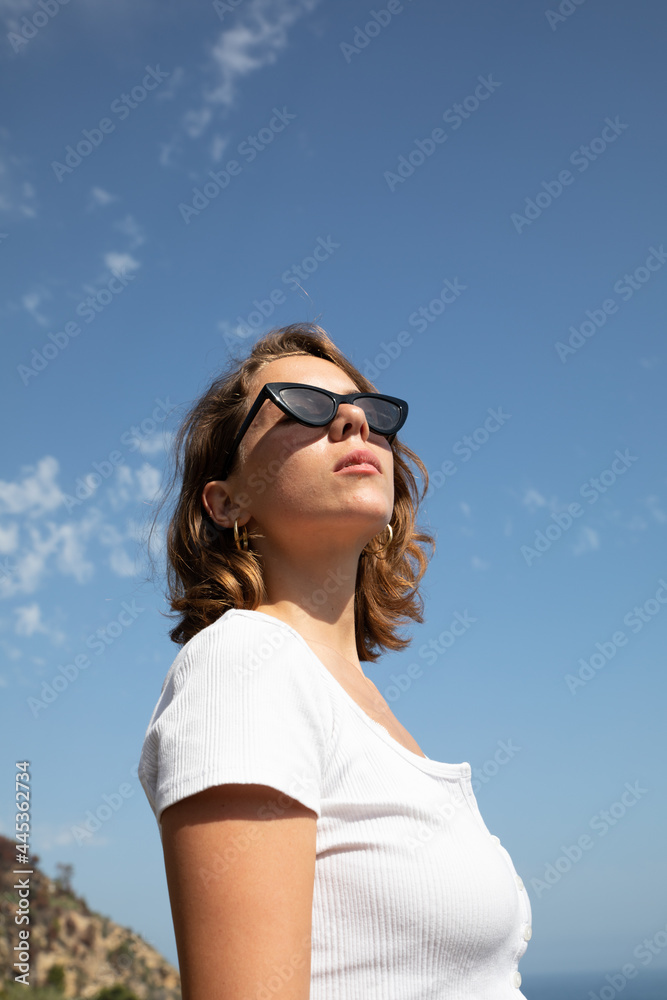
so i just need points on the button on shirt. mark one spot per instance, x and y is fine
(414, 898)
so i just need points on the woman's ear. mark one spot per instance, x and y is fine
(221, 506)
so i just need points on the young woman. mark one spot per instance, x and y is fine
(312, 850)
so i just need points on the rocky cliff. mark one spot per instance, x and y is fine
(76, 952)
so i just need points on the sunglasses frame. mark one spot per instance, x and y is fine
(271, 390)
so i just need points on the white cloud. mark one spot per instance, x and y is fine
(9, 538)
(148, 482)
(29, 621)
(120, 490)
(36, 493)
(41, 548)
(120, 262)
(17, 195)
(99, 198)
(218, 146)
(259, 33)
(130, 227)
(134, 486)
(587, 542)
(31, 302)
(465, 508)
(165, 158)
(51, 547)
(122, 564)
(158, 441)
(168, 89)
(119, 561)
(71, 558)
(478, 563)
(532, 500)
(195, 122)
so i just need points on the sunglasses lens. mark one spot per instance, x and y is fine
(314, 407)
(382, 415)
(308, 404)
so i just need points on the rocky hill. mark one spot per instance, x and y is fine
(75, 954)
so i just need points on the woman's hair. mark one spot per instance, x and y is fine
(207, 574)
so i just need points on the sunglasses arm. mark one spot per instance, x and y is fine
(242, 429)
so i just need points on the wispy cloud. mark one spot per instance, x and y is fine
(31, 302)
(17, 195)
(34, 547)
(36, 493)
(533, 500)
(166, 156)
(129, 227)
(258, 35)
(588, 541)
(99, 198)
(29, 621)
(9, 538)
(196, 122)
(121, 262)
(167, 91)
(218, 145)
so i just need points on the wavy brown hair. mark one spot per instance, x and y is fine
(207, 574)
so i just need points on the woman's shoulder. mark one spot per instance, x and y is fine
(242, 659)
(243, 642)
(239, 630)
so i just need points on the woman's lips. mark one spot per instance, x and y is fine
(359, 467)
(361, 459)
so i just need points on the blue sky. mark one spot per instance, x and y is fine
(469, 198)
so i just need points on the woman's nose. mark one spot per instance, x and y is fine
(352, 417)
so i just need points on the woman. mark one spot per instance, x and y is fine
(311, 849)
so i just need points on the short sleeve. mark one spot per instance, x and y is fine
(242, 704)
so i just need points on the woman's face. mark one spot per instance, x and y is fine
(285, 474)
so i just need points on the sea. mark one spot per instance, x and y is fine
(647, 984)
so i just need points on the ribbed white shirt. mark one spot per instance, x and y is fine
(414, 899)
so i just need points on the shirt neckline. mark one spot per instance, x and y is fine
(438, 767)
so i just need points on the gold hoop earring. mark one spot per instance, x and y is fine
(385, 546)
(244, 536)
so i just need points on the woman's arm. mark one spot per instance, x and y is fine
(240, 865)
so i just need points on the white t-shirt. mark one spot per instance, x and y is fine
(414, 899)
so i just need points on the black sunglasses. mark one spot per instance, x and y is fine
(315, 407)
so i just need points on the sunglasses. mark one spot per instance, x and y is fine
(315, 407)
